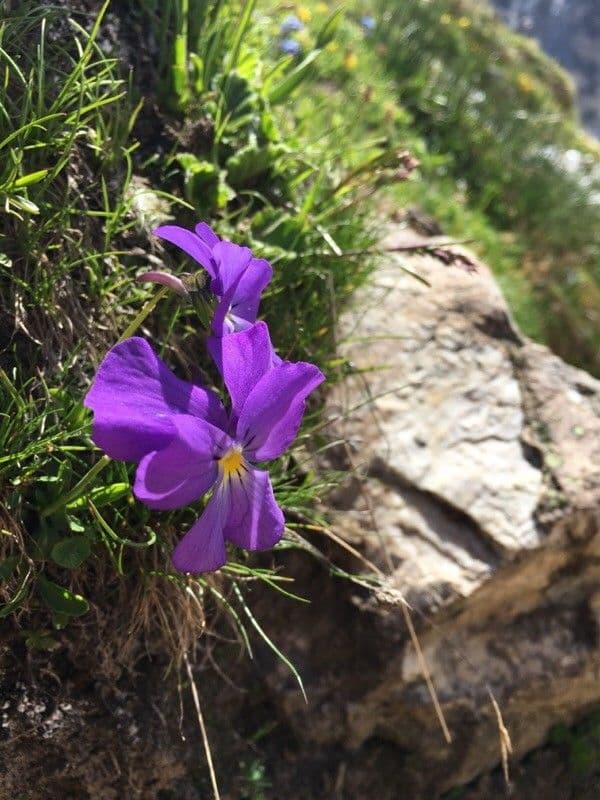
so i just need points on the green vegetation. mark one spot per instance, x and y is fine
(185, 109)
(94, 157)
(503, 114)
(503, 160)
(581, 745)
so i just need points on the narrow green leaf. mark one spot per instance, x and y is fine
(240, 31)
(293, 79)
(329, 28)
(18, 598)
(102, 495)
(23, 204)
(32, 177)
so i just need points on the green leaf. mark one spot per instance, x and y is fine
(329, 29)
(224, 191)
(39, 640)
(102, 495)
(61, 600)
(277, 71)
(251, 161)
(71, 552)
(268, 126)
(201, 179)
(238, 96)
(240, 30)
(23, 204)
(293, 79)
(197, 72)
(32, 177)
(75, 525)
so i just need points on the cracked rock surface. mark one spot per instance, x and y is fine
(474, 485)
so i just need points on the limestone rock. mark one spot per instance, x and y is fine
(474, 485)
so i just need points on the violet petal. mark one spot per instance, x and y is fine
(134, 396)
(222, 324)
(185, 469)
(190, 243)
(202, 549)
(231, 262)
(270, 418)
(242, 359)
(255, 521)
(206, 233)
(247, 296)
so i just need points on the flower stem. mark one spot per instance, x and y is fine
(142, 314)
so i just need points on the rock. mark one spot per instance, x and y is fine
(474, 489)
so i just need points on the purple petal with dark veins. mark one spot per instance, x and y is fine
(190, 243)
(202, 549)
(242, 359)
(133, 397)
(183, 470)
(270, 418)
(255, 521)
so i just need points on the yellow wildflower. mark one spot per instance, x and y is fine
(332, 46)
(445, 19)
(321, 8)
(304, 14)
(350, 60)
(524, 82)
(464, 22)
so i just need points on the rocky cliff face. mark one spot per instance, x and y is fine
(474, 485)
(569, 31)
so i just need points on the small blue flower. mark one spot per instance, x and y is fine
(368, 23)
(290, 24)
(290, 47)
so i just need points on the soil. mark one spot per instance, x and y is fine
(71, 730)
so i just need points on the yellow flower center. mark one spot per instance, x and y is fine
(231, 461)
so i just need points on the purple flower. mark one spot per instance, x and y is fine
(291, 23)
(237, 278)
(186, 444)
(290, 47)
